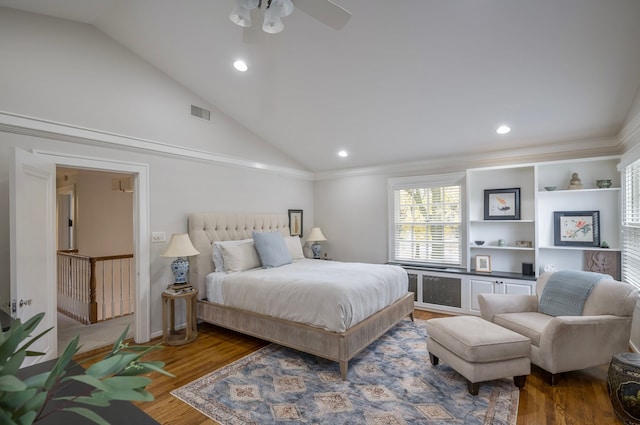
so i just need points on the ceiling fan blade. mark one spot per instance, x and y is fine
(325, 11)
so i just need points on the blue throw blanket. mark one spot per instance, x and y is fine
(566, 292)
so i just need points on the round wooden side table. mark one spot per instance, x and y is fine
(623, 382)
(170, 335)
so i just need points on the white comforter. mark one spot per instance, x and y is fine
(326, 294)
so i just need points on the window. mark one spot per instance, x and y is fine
(631, 224)
(426, 220)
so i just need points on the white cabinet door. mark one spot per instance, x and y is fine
(517, 288)
(480, 286)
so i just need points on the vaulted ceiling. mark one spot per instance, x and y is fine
(404, 80)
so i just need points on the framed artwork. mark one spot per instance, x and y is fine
(483, 263)
(502, 204)
(295, 222)
(576, 228)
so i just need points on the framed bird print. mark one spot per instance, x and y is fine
(502, 204)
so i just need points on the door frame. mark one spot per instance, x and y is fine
(141, 233)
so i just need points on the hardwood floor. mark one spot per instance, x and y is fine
(580, 398)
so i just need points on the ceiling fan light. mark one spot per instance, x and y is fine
(272, 22)
(287, 8)
(249, 4)
(240, 15)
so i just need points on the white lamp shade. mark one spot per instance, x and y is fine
(180, 246)
(316, 235)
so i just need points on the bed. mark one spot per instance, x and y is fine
(338, 345)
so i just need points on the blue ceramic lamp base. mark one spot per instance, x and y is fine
(180, 269)
(315, 248)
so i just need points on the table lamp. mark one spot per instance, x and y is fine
(316, 236)
(180, 246)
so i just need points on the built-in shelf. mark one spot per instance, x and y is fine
(537, 207)
(594, 189)
(512, 248)
(501, 221)
(579, 248)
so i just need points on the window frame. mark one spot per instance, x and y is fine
(415, 182)
(630, 223)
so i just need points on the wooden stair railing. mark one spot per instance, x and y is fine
(94, 289)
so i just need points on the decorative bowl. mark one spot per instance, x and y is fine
(479, 242)
(603, 184)
(550, 188)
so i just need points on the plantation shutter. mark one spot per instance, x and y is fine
(631, 224)
(426, 221)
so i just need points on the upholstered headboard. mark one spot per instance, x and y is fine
(205, 229)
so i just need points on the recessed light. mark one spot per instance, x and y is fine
(503, 129)
(240, 65)
(343, 154)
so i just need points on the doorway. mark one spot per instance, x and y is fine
(140, 180)
(95, 276)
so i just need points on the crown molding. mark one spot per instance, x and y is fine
(629, 136)
(584, 148)
(30, 126)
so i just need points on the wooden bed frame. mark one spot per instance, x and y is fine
(341, 347)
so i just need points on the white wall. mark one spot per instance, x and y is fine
(104, 221)
(70, 73)
(352, 212)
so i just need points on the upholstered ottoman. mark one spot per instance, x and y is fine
(479, 350)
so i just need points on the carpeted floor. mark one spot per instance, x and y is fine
(390, 382)
(92, 336)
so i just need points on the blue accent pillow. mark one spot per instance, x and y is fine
(272, 249)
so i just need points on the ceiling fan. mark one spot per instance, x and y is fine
(325, 11)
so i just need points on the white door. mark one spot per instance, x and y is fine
(33, 246)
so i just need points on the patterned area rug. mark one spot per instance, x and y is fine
(390, 382)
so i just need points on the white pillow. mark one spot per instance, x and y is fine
(218, 260)
(295, 247)
(240, 257)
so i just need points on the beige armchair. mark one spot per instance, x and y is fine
(564, 343)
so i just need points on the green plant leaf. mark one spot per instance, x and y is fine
(14, 400)
(95, 399)
(26, 419)
(38, 380)
(116, 383)
(5, 418)
(138, 394)
(33, 341)
(89, 380)
(111, 365)
(57, 372)
(10, 383)
(16, 334)
(34, 404)
(118, 343)
(89, 414)
(156, 367)
(13, 364)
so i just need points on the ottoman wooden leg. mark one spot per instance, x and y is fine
(473, 387)
(434, 360)
(519, 381)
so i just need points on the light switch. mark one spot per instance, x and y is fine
(158, 237)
